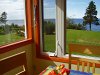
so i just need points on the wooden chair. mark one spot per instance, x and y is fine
(9, 63)
(84, 62)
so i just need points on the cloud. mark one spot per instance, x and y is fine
(76, 2)
(49, 13)
(49, 9)
(14, 8)
(49, 3)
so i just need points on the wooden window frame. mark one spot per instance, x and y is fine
(37, 37)
(29, 29)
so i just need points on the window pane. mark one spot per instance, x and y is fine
(48, 27)
(12, 21)
(77, 31)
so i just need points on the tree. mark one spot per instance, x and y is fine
(3, 18)
(90, 15)
(49, 27)
(72, 25)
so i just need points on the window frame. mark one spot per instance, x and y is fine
(37, 36)
(29, 30)
(60, 25)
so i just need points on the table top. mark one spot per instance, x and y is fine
(74, 72)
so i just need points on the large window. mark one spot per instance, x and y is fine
(12, 21)
(52, 27)
(62, 23)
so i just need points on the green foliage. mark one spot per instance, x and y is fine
(19, 30)
(20, 33)
(2, 30)
(49, 27)
(90, 15)
(3, 18)
(13, 28)
(72, 25)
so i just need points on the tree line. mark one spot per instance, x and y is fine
(12, 28)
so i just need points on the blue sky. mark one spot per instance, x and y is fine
(75, 8)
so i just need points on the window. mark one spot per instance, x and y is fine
(48, 26)
(12, 21)
(56, 44)
(25, 14)
(52, 27)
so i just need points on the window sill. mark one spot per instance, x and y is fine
(15, 45)
(81, 56)
(65, 59)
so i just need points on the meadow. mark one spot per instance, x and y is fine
(73, 36)
(9, 38)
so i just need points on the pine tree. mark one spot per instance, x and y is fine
(3, 18)
(91, 15)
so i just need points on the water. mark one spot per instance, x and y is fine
(18, 22)
(93, 27)
(77, 21)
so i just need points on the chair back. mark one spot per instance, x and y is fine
(83, 61)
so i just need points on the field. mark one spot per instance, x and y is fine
(9, 38)
(73, 36)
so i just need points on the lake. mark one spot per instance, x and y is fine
(93, 27)
(18, 22)
(77, 21)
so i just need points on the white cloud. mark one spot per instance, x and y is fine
(14, 8)
(49, 13)
(49, 9)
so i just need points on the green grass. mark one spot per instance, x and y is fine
(83, 37)
(49, 43)
(9, 38)
(73, 36)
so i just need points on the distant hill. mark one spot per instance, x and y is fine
(77, 21)
(51, 20)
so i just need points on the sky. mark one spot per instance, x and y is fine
(75, 8)
(13, 8)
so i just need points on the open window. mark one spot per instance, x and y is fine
(55, 43)
(48, 26)
(52, 27)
